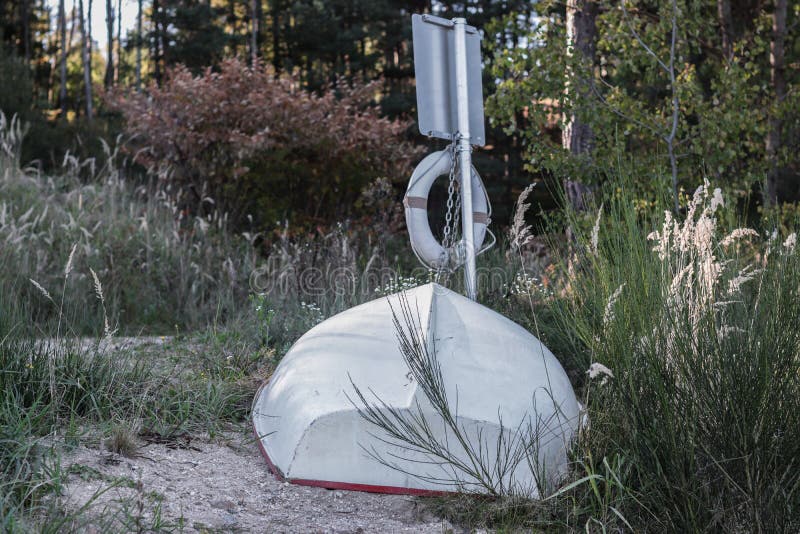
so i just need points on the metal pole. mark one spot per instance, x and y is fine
(464, 156)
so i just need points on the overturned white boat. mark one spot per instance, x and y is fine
(514, 410)
(453, 397)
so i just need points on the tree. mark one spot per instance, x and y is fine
(725, 18)
(577, 136)
(109, 77)
(255, 30)
(119, 41)
(155, 38)
(26, 29)
(778, 81)
(86, 61)
(669, 93)
(191, 34)
(62, 94)
(139, 46)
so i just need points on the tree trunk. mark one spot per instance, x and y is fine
(577, 136)
(26, 29)
(89, 43)
(156, 16)
(274, 9)
(109, 77)
(255, 24)
(62, 95)
(234, 26)
(777, 66)
(139, 47)
(726, 27)
(119, 41)
(87, 72)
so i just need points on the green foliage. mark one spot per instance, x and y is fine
(724, 104)
(17, 95)
(197, 40)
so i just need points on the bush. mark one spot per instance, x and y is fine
(255, 143)
(699, 326)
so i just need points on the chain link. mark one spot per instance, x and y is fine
(449, 228)
(451, 219)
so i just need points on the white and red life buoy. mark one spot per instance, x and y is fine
(425, 245)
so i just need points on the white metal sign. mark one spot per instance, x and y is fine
(435, 71)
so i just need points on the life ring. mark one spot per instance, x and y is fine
(426, 246)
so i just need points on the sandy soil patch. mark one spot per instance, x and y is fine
(227, 487)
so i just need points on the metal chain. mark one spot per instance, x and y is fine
(451, 240)
(445, 267)
(449, 230)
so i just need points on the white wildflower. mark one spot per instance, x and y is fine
(598, 369)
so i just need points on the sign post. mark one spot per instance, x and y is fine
(447, 66)
(464, 155)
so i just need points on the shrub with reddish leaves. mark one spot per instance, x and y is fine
(258, 144)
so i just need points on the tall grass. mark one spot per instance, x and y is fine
(699, 326)
(89, 252)
(160, 267)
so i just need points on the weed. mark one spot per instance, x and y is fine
(122, 441)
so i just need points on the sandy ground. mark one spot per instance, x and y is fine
(227, 487)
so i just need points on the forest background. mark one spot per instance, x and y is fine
(679, 90)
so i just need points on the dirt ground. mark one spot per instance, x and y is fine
(224, 486)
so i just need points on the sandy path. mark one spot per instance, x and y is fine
(227, 487)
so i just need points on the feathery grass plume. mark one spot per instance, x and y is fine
(790, 243)
(725, 331)
(768, 250)
(68, 266)
(608, 315)
(737, 234)
(596, 230)
(42, 290)
(716, 200)
(520, 232)
(744, 276)
(686, 350)
(663, 238)
(98, 289)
